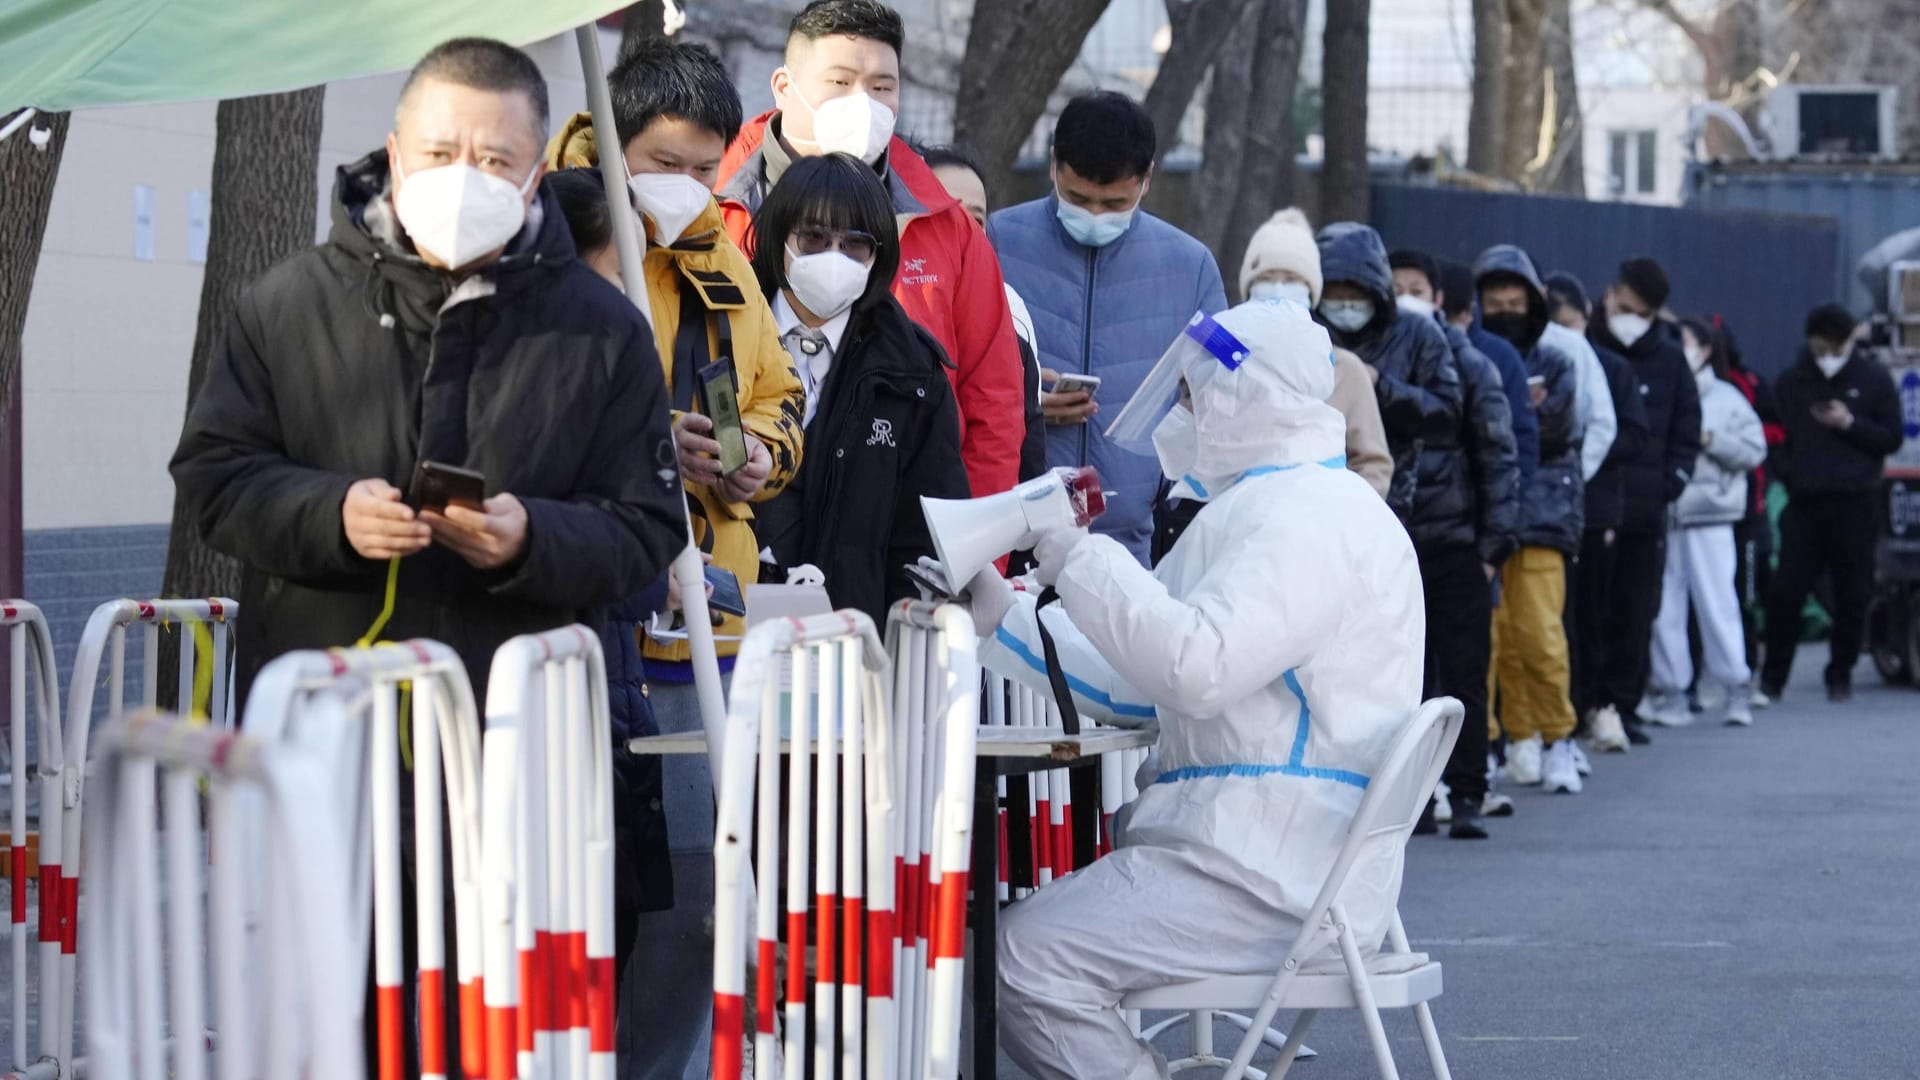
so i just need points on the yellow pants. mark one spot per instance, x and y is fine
(1529, 676)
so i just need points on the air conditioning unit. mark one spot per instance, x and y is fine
(1832, 122)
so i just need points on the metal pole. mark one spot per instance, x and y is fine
(19, 121)
(687, 567)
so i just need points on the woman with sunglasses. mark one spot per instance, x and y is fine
(882, 427)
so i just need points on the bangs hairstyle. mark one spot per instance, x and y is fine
(659, 77)
(847, 18)
(832, 191)
(1409, 259)
(1709, 335)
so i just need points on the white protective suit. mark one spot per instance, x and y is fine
(1280, 647)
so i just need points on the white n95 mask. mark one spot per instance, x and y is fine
(1831, 363)
(1628, 329)
(1176, 440)
(456, 213)
(826, 283)
(671, 200)
(1414, 305)
(854, 124)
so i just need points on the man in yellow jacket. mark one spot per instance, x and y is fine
(676, 110)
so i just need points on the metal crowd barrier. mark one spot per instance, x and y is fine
(30, 649)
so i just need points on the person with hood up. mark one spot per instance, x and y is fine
(1278, 647)
(1651, 481)
(1700, 572)
(1530, 662)
(1415, 381)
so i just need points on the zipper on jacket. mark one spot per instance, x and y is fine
(1086, 342)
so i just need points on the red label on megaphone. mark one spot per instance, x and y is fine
(1083, 487)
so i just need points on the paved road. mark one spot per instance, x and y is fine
(1723, 904)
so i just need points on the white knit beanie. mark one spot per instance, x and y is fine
(1285, 242)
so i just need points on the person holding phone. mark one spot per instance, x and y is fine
(882, 426)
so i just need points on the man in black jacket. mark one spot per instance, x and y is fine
(1842, 418)
(1651, 480)
(1463, 532)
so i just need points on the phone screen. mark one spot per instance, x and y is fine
(726, 594)
(721, 403)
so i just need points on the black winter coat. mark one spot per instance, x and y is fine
(1606, 490)
(886, 432)
(1419, 389)
(1484, 510)
(355, 359)
(1653, 479)
(1818, 460)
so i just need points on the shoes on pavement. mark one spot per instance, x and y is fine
(1666, 710)
(1557, 769)
(1839, 693)
(1650, 704)
(1467, 822)
(1442, 803)
(1739, 707)
(1496, 805)
(1580, 763)
(1772, 693)
(1426, 826)
(1604, 731)
(1523, 761)
(1759, 698)
(1712, 695)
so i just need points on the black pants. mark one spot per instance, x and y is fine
(1459, 648)
(1753, 550)
(1639, 568)
(1589, 597)
(1833, 533)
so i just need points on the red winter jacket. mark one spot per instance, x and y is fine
(949, 283)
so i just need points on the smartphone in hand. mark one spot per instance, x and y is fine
(719, 394)
(1074, 383)
(437, 486)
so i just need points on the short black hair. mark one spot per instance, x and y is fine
(659, 77)
(1566, 290)
(482, 64)
(1104, 136)
(830, 191)
(582, 196)
(1832, 322)
(1456, 288)
(1647, 279)
(1408, 259)
(848, 18)
(946, 155)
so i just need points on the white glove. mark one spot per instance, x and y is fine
(1051, 551)
(989, 597)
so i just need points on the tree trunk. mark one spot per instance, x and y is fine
(1487, 120)
(1199, 29)
(647, 19)
(1266, 165)
(1343, 179)
(1017, 51)
(1566, 171)
(1216, 184)
(265, 155)
(1525, 74)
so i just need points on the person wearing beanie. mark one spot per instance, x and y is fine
(1282, 261)
(1652, 480)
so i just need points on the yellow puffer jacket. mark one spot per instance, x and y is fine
(771, 398)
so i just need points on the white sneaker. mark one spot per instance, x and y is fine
(1758, 698)
(1713, 696)
(1523, 761)
(1496, 805)
(1739, 707)
(1666, 710)
(1580, 763)
(1442, 807)
(1650, 705)
(1605, 733)
(1558, 771)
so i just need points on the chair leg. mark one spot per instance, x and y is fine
(1429, 1034)
(1158, 1029)
(1273, 1037)
(1363, 998)
(1291, 1050)
(1203, 1033)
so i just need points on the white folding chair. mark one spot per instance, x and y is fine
(31, 664)
(1311, 979)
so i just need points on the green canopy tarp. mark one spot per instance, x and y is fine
(68, 54)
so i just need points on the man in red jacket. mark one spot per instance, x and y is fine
(839, 91)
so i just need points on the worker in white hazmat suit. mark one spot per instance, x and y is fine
(1278, 646)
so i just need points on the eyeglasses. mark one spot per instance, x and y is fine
(854, 244)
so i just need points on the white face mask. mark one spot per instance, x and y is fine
(1176, 440)
(1628, 329)
(1347, 315)
(457, 214)
(1831, 363)
(855, 124)
(1413, 305)
(1295, 291)
(826, 283)
(671, 200)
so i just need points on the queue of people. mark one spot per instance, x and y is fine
(1538, 494)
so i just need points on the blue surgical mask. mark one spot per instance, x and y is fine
(1091, 229)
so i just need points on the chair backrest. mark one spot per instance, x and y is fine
(286, 982)
(550, 995)
(1396, 794)
(31, 666)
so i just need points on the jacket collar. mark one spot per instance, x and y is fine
(755, 162)
(365, 226)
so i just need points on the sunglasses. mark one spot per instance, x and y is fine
(854, 244)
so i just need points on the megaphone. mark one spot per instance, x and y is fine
(969, 534)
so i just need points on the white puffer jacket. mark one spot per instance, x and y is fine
(1717, 494)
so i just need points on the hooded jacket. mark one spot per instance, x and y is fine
(1652, 480)
(1107, 311)
(705, 264)
(1419, 388)
(356, 359)
(1717, 494)
(949, 282)
(1513, 380)
(1553, 506)
(1817, 460)
(1489, 518)
(1605, 490)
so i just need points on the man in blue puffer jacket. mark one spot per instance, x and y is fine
(1108, 286)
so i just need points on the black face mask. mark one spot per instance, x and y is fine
(1511, 325)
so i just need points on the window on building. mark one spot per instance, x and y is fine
(1632, 157)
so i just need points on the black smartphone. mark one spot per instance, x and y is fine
(437, 486)
(720, 402)
(724, 593)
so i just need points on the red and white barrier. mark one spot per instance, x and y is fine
(30, 650)
(548, 914)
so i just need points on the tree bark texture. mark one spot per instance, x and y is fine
(1344, 194)
(266, 152)
(27, 173)
(647, 19)
(1525, 73)
(1487, 118)
(1200, 28)
(1017, 51)
(1566, 170)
